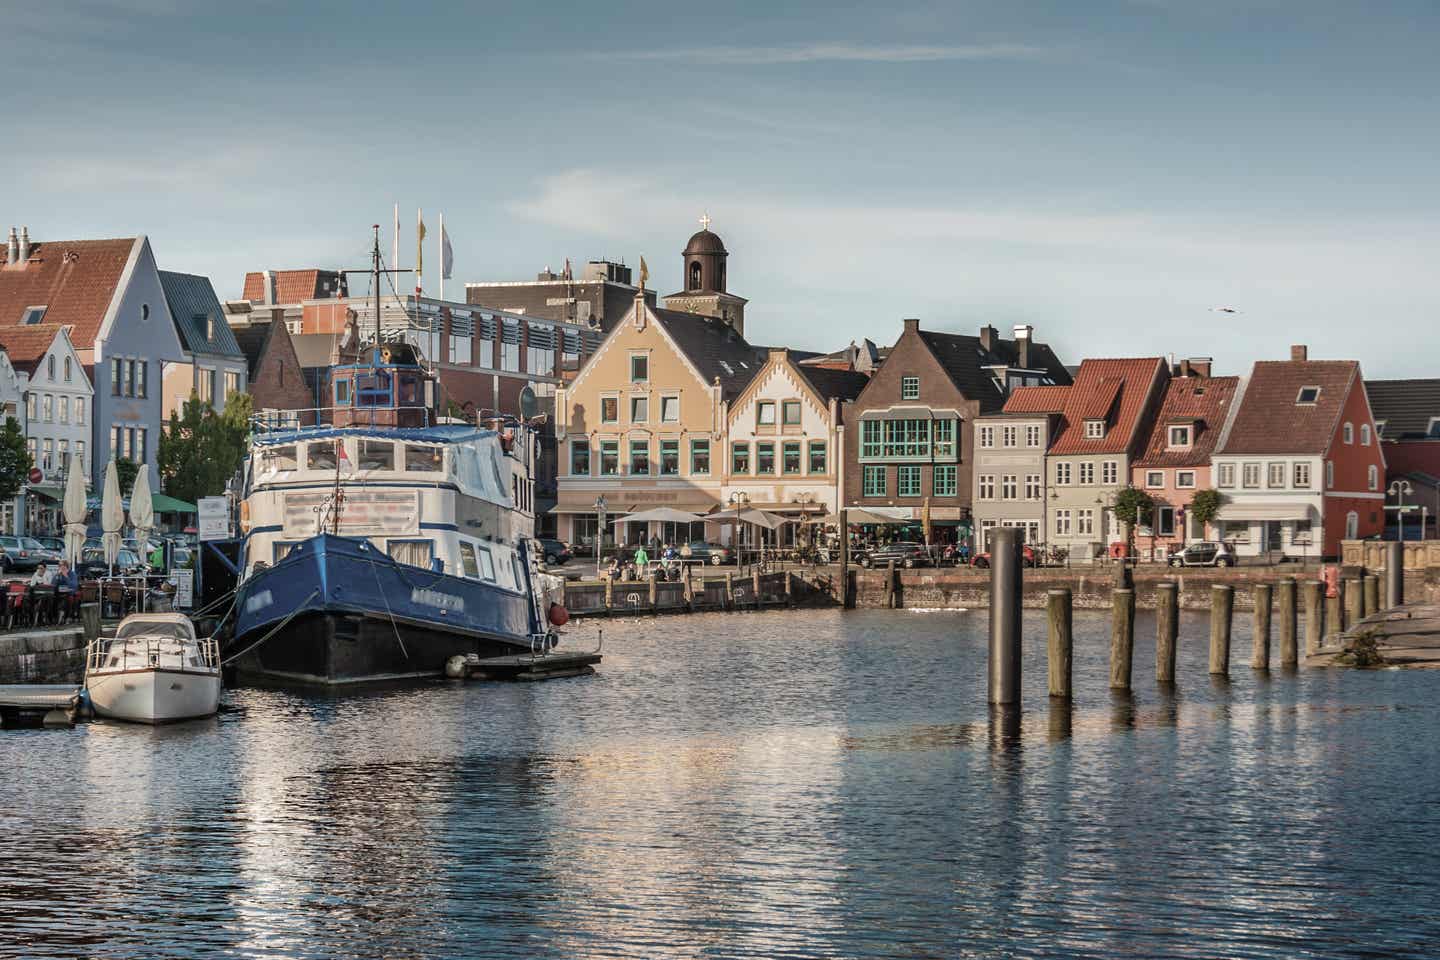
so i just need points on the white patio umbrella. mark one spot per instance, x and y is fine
(661, 515)
(112, 515)
(74, 512)
(142, 512)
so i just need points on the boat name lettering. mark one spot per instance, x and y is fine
(259, 601)
(435, 598)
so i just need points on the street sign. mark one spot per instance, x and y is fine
(214, 518)
(1405, 509)
(36, 475)
(184, 588)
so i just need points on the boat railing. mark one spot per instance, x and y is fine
(315, 418)
(142, 652)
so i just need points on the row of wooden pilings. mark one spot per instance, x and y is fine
(1359, 597)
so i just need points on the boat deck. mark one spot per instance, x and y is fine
(526, 667)
(30, 703)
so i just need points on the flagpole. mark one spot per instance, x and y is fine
(419, 249)
(396, 262)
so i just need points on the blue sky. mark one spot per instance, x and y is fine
(1106, 171)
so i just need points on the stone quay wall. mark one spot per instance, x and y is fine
(43, 656)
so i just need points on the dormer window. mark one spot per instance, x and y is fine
(1180, 435)
(1094, 429)
(909, 388)
(32, 316)
(1308, 395)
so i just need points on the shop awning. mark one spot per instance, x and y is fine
(1277, 510)
(163, 504)
(50, 491)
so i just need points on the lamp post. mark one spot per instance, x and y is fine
(599, 529)
(736, 501)
(1398, 489)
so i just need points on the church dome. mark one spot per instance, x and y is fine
(704, 242)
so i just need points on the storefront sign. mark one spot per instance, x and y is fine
(213, 518)
(363, 513)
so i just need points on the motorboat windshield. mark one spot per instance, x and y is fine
(154, 630)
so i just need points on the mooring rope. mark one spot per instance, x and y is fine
(277, 628)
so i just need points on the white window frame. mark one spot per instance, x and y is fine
(1348, 432)
(1272, 470)
(1087, 473)
(1110, 472)
(1032, 486)
(1225, 478)
(1009, 487)
(1062, 523)
(1372, 476)
(1364, 434)
(985, 486)
(987, 437)
(909, 388)
(666, 398)
(1009, 436)
(1329, 474)
(1062, 473)
(1154, 479)
(1301, 475)
(1094, 429)
(1032, 435)
(1184, 479)
(1248, 470)
(1182, 429)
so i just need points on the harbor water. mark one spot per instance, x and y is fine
(785, 784)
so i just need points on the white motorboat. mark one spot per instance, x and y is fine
(154, 670)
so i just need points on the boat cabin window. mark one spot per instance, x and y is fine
(376, 455)
(409, 389)
(342, 392)
(282, 458)
(487, 565)
(416, 553)
(373, 390)
(320, 454)
(467, 561)
(281, 549)
(422, 459)
(150, 628)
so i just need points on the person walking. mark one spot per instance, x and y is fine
(642, 559)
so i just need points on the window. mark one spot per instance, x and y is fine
(1085, 522)
(486, 562)
(32, 406)
(1301, 532)
(1032, 435)
(206, 386)
(1087, 474)
(1348, 432)
(908, 481)
(1226, 475)
(50, 366)
(639, 409)
(871, 438)
(944, 481)
(1009, 489)
(669, 458)
(486, 353)
(1032, 486)
(640, 458)
(873, 484)
(1250, 476)
(130, 379)
(790, 458)
(320, 454)
(467, 561)
(609, 458)
(944, 438)
(740, 458)
(64, 409)
(116, 375)
(987, 437)
(281, 458)
(232, 383)
(1364, 434)
(1380, 428)
(790, 413)
(1373, 476)
(342, 393)
(1094, 429)
(1154, 479)
(1164, 521)
(423, 459)
(818, 460)
(32, 446)
(67, 369)
(509, 360)
(1062, 523)
(142, 378)
(1329, 474)
(986, 487)
(639, 368)
(765, 413)
(609, 409)
(906, 439)
(1352, 525)
(1275, 476)
(1185, 479)
(764, 459)
(909, 388)
(80, 455)
(1062, 474)
(376, 455)
(700, 457)
(415, 553)
(47, 408)
(1110, 472)
(1008, 436)
(1179, 435)
(141, 446)
(80, 411)
(33, 315)
(47, 455)
(1302, 476)
(669, 409)
(579, 458)
(1307, 395)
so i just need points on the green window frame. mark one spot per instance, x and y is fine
(669, 458)
(639, 458)
(790, 413)
(765, 459)
(871, 438)
(580, 458)
(609, 458)
(819, 457)
(873, 481)
(944, 480)
(700, 457)
(740, 458)
(790, 458)
(908, 480)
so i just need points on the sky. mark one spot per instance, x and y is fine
(1109, 171)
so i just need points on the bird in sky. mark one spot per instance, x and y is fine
(1223, 310)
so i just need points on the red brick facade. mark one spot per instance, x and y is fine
(277, 382)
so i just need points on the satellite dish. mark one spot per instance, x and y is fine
(528, 403)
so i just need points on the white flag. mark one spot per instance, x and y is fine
(447, 255)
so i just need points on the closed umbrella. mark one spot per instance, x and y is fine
(142, 512)
(112, 515)
(924, 521)
(74, 512)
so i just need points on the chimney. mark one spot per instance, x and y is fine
(912, 324)
(12, 249)
(24, 245)
(1299, 352)
(987, 337)
(1184, 368)
(1023, 334)
(269, 278)
(1201, 366)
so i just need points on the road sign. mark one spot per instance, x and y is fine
(214, 518)
(36, 475)
(184, 588)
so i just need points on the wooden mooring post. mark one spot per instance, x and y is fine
(729, 588)
(1394, 574)
(1005, 595)
(891, 600)
(1222, 608)
(609, 593)
(845, 601)
(1285, 607)
(1333, 620)
(1167, 629)
(1122, 638)
(1354, 601)
(1314, 595)
(654, 593)
(1260, 634)
(755, 587)
(1371, 601)
(1059, 612)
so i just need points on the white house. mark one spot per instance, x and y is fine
(12, 405)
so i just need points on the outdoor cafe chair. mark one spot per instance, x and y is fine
(14, 602)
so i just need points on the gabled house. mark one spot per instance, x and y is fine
(910, 432)
(1011, 484)
(274, 371)
(1407, 421)
(1175, 461)
(1301, 466)
(213, 366)
(1103, 428)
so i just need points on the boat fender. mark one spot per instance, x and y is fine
(455, 667)
(559, 616)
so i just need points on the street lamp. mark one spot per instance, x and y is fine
(599, 529)
(736, 501)
(1398, 489)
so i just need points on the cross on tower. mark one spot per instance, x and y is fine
(705, 221)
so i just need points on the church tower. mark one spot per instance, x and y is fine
(704, 274)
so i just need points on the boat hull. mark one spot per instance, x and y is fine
(336, 612)
(154, 695)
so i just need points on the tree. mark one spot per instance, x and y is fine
(1132, 507)
(1205, 507)
(126, 470)
(15, 461)
(201, 449)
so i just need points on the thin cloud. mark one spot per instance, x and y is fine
(835, 53)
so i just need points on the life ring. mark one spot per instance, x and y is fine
(1117, 550)
(558, 615)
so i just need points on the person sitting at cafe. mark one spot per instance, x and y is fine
(41, 577)
(66, 580)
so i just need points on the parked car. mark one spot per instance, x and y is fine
(21, 554)
(55, 545)
(905, 553)
(1206, 553)
(1027, 558)
(557, 553)
(711, 553)
(92, 564)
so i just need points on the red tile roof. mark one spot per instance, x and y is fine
(1202, 401)
(1120, 388)
(75, 280)
(25, 345)
(1037, 399)
(1270, 421)
(291, 286)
